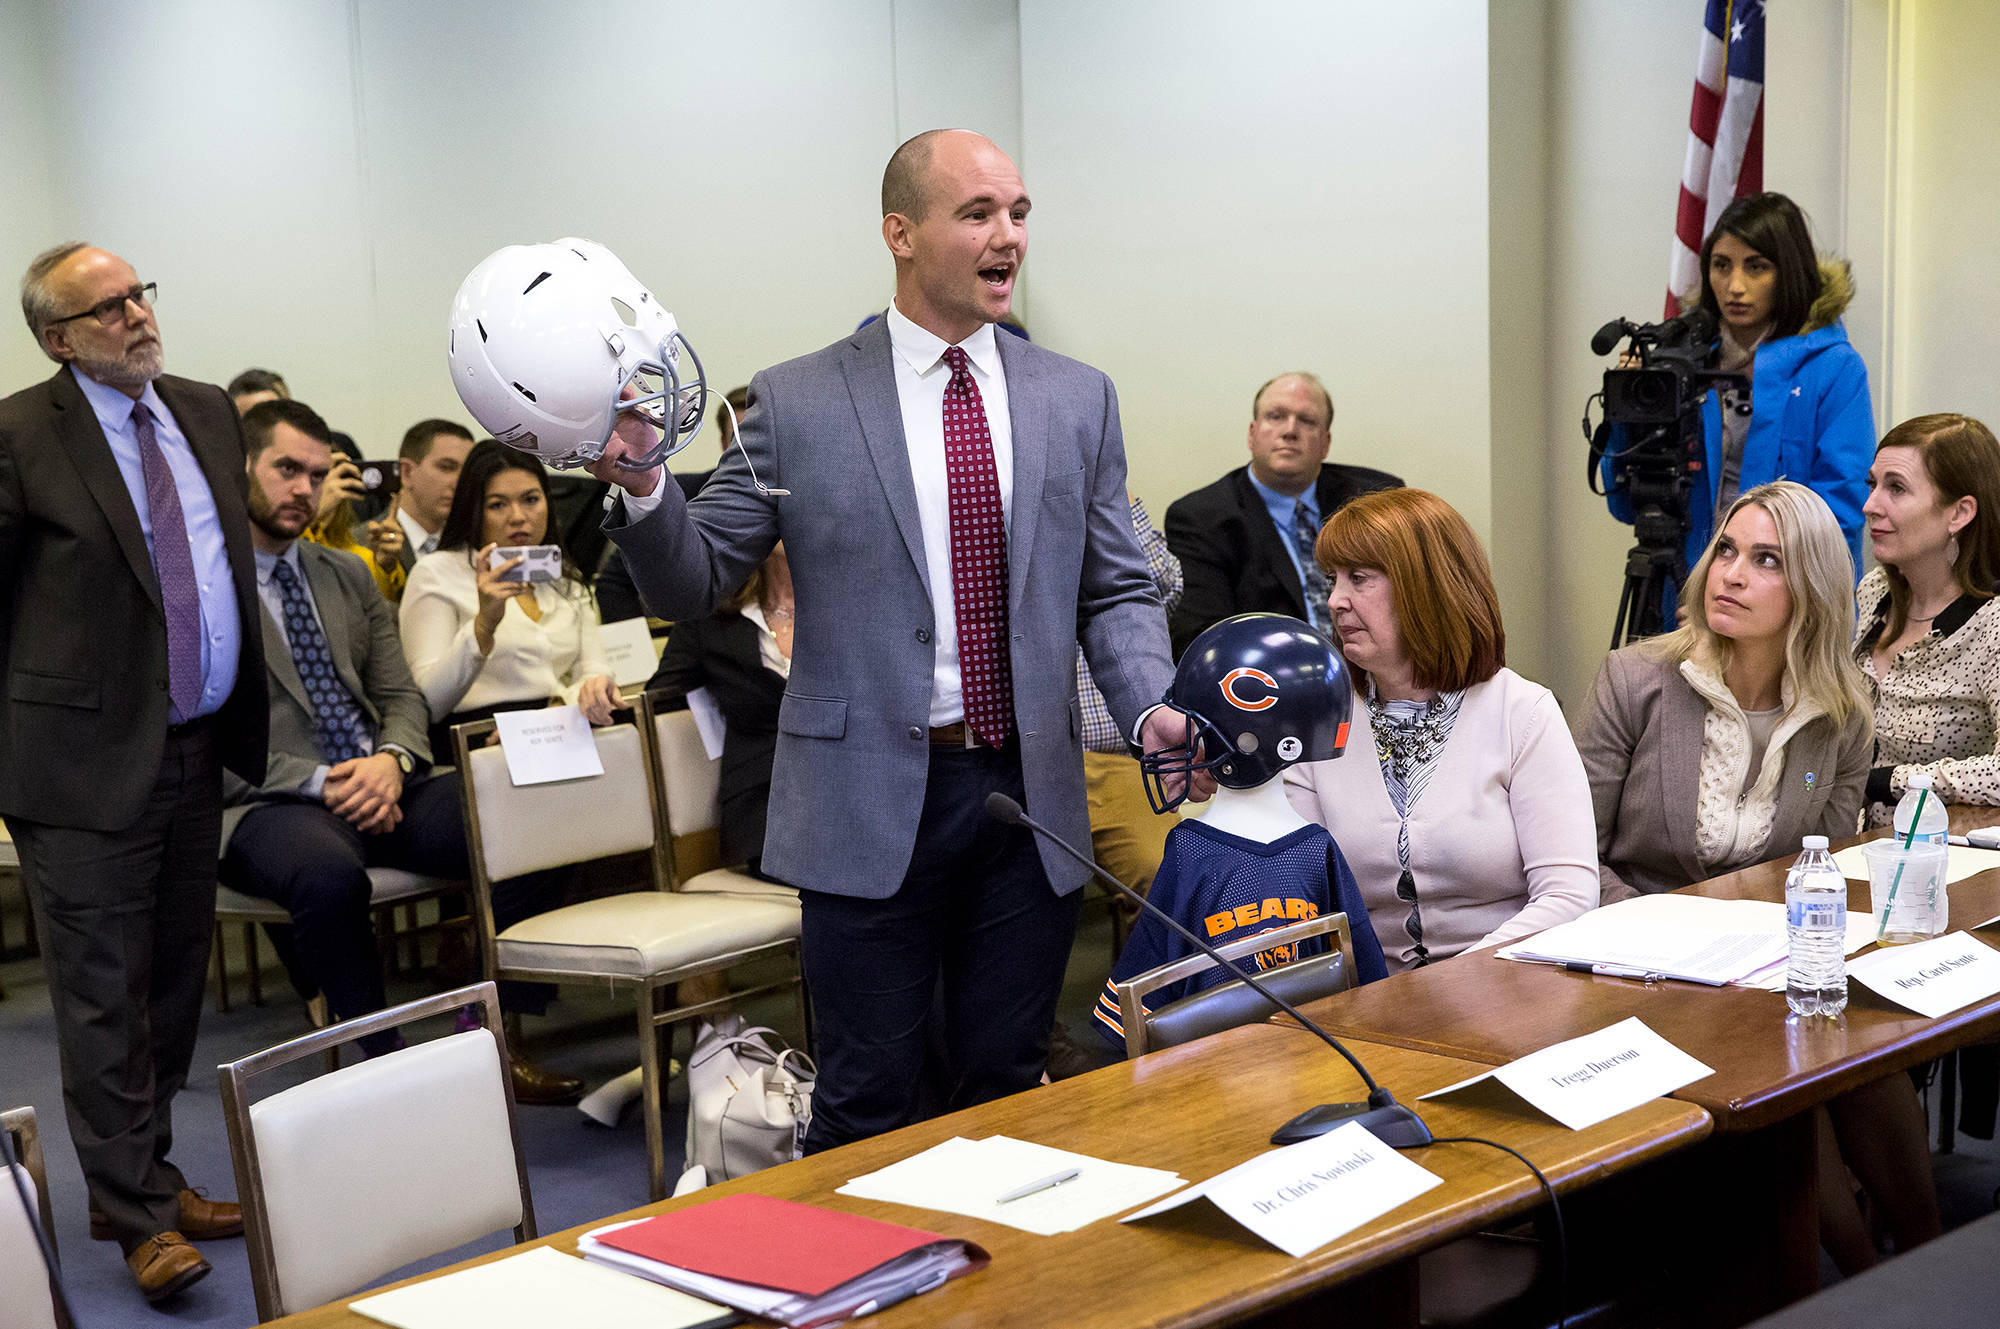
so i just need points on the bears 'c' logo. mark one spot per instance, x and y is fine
(1234, 676)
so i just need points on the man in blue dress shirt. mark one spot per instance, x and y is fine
(1245, 542)
(133, 675)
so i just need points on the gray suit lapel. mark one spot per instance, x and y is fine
(335, 618)
(278, 655)
(1809, 753)
(1027, 410)
(1683, 714)
(871, 383)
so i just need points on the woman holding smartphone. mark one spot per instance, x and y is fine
(478, 639)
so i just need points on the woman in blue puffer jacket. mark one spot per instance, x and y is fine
(1808, 417)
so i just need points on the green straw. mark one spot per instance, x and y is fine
(1909, 837)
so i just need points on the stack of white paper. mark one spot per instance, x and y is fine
(536, 1289)
(968, 1177)
(1690, 937)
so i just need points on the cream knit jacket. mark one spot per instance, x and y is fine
(1733, 816)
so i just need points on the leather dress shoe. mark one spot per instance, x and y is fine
(164, 1264)
(537, 1086)
(202, 1219)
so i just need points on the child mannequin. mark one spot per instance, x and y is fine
(1262, 692)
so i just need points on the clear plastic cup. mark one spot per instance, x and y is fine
(1914, 877)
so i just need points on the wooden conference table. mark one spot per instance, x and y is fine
(1198, 1110)
(1770, 1070)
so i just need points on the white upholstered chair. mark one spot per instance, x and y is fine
(30, 1301)
(641, 942)
(690, 783)
(357, 1172)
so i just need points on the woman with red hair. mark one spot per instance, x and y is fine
(1460, 803)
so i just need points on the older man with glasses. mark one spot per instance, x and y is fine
(134, 674)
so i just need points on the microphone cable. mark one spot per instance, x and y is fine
(1555, 1214)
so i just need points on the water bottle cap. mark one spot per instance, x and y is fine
(1923, 780)
(1815, 842)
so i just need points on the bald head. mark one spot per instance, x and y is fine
(906, 185)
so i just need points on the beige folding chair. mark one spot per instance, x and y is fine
(641, 942)
(1235, 1003)
(389, 890)
(357, 1172)
(20, 1252)
(690, 784)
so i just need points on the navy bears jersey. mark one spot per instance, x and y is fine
(1223, 888)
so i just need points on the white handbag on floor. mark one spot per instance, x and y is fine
(749, 1099)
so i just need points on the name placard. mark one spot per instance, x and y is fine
(1303, 1196)
(1932, 977)
(628, 645)
(1583, 1081)
(547, 745)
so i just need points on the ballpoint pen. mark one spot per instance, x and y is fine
(1036, 1187)
(1615, 971)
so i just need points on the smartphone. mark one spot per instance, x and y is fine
(381, 478)
(538, 562)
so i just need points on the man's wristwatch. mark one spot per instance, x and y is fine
(404, 760)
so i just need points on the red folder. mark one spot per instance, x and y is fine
(772, 1243)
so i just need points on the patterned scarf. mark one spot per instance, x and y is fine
(1409, 740)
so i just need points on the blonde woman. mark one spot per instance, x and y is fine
(1720, 745)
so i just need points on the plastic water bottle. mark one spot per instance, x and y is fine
(1934, 824)
(1816, 922)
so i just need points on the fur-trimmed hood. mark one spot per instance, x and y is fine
(1836, 293)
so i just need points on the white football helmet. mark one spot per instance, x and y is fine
(544, 339)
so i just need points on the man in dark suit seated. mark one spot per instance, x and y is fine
(1245, 542)
(349, 784)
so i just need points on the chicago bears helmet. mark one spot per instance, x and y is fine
(1260, 692)
(544, 340)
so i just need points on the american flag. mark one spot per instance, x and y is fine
(1725, 152)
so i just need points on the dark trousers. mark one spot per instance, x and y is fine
(301, 856)
(125, 919)
(975, 939)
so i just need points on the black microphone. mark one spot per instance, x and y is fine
(1608, 335)
(1389, 1121)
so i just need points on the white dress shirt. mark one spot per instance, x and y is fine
(421, 541)
(921, 378)
(531, 659)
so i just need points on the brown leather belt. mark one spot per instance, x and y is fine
(959, 735)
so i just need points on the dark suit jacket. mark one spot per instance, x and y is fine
(720, 653)
(1641, 747)
(360, 628)
(83, 639)
(1232, 557)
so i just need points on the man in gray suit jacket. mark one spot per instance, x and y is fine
(956, 523)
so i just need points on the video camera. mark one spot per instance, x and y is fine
(1651, 437)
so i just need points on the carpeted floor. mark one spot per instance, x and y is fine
(578, 1171)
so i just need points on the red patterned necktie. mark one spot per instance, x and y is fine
(978, 558)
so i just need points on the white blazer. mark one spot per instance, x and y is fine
(530, 660)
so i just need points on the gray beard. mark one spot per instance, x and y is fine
(129, 374)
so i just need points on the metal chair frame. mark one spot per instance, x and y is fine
(1133, 992)
(26, 1137)
(645, 992)
(236, 1075)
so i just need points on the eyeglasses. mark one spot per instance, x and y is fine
(110, 311)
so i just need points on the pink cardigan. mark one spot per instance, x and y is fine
(1503, 842)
